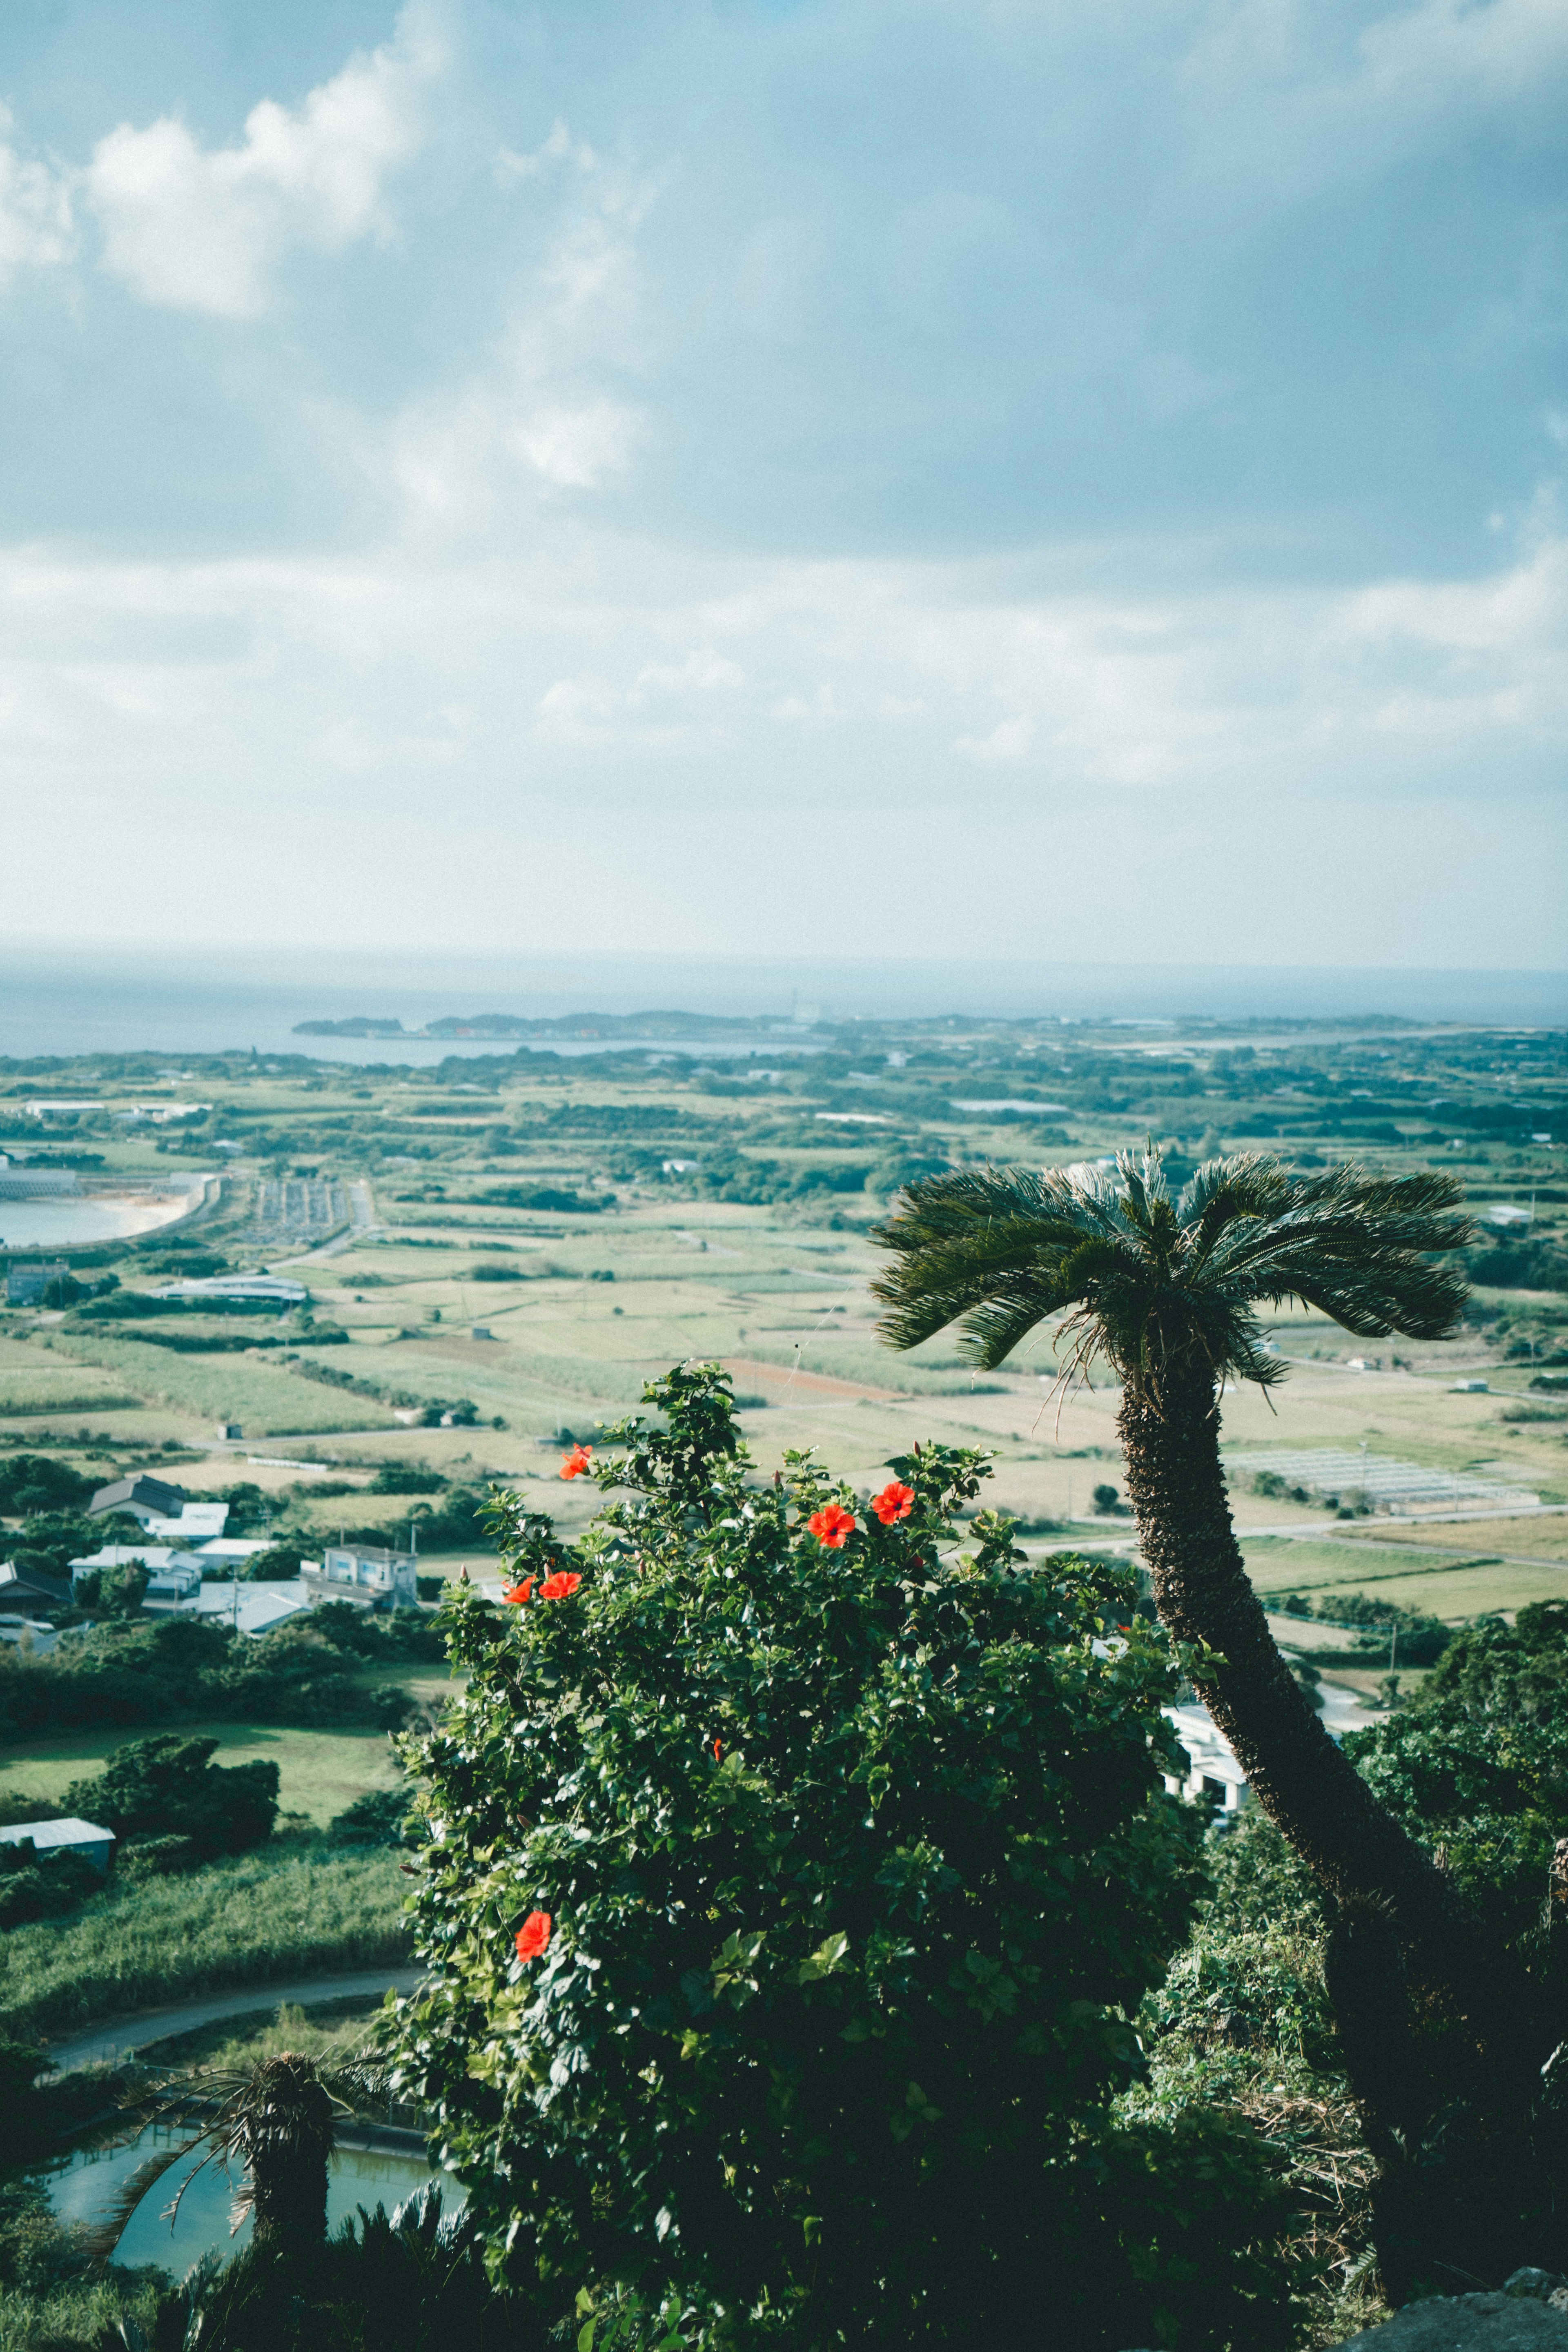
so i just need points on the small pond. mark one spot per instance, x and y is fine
(88, 2188)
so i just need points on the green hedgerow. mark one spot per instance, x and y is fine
(793, 1877)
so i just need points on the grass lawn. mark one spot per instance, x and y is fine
(327, 2029)
(320, 1772)
(1538, 1538)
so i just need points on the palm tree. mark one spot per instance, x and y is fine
(278, 2120)
(1167, 1294)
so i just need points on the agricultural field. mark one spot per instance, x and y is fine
(238, 1922)
(517, 1239)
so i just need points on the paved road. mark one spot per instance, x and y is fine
(117, 2037)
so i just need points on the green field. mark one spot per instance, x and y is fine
(1440, 1584)
(235, 1923)
(35, 1378)
(325, 2029)
(320, 1772)
(263, 1397)
(682, 1222)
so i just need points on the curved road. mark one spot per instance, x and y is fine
(117, 2037)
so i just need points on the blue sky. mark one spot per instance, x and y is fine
(1030, 478)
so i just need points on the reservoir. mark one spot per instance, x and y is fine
(89, 2188)
(75, 1220)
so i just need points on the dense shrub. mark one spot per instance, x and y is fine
(858, 1862)
(51, 1539)
(726, 1174)
(1413, 1638)
(1479, 1761)
(149, 1670)
(168, 1786)
(546, 1196)
(113, 1591)
(34, 1482)
(42, 1886)
(407, 1478)
(375, 1819)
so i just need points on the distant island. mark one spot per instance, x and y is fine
(568, 1024)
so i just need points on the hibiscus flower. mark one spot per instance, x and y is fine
(559, 1587)
(519, 1592)
(574, 1464)
(894, 1502)
(832, 1526)
(533, 1935)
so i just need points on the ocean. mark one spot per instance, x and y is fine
(83, 998)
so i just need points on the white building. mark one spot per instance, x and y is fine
(155, 1558)
(366, 1575)
(49, 1837)
(1212, 1768)
(252, 1608)
(276, 1289)
(172, 1587)
(194, 1523)
(232, 1551)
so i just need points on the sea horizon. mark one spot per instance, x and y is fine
(64, 999)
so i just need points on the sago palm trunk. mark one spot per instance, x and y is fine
(1476, 2208)
(288, 2154)
(1309, 1790)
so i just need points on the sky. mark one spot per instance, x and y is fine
(1019, 480)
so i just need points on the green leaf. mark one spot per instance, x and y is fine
(827, 1957)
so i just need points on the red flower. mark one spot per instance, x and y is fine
(894, 1502)
(832, 1526)
(518, 1591)
(533, 1935)
(559, 1587)
(717, 1744)
(574, 1464)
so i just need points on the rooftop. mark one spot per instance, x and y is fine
(46, 1835)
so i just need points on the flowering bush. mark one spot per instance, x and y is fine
(792, 1880)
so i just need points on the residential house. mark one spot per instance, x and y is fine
(24, 1588)
(145, 1498)
(362, 1573)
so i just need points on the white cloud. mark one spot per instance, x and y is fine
(663, 710)
(190, 228)
(1451, 50)
(705, 672)
(1010, 739)
(1148, 741)
(576, 448)
(35, 224)
(559, 148)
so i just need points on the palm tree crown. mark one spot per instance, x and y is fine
(1156, 1285)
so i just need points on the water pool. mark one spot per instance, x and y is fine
(73, 1220)
(88, 2188)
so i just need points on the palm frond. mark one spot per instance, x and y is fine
(998, 1250)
